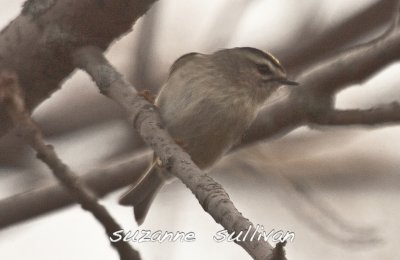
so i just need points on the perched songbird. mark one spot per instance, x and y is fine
(207, 103)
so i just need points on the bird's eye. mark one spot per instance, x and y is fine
(264, 69)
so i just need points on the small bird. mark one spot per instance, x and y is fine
(207, 103)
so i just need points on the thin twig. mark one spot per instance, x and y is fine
(12, 98)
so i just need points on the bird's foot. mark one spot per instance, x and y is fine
(181, 143)
(147, 95)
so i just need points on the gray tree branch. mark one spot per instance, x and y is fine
(11, 97)
(54, 196)
(37, 44)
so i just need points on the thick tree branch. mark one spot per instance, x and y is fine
(37, 44)
(146, 120)
(12, 99)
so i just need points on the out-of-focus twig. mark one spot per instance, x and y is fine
(11, 97)
(313, 211)
(332, 40)
(54, 196)
(145, 118)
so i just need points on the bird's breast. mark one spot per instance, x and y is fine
(205, 122)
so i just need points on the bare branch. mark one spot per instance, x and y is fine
(41, 200)
(146, 120)
(384, 114)
(333, 39)
(354, 65)
(30, 132)
(37, 44)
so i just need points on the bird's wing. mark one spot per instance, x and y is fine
(182, 60)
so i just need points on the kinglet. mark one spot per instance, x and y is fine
(207, 103)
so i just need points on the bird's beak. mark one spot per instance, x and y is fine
(288, 82)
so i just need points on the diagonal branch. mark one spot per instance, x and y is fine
(145, 118)
(356, 64)
(331, 40)
(11, 96)
(102, 181)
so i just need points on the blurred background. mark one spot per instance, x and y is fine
(337, 188)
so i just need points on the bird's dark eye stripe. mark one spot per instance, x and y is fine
(264, 69)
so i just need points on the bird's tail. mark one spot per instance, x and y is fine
(142, 193)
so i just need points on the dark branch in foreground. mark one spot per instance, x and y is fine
(10, 96)
(37, 44)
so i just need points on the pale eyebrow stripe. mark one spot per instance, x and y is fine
(268, 56)
(273, 59)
